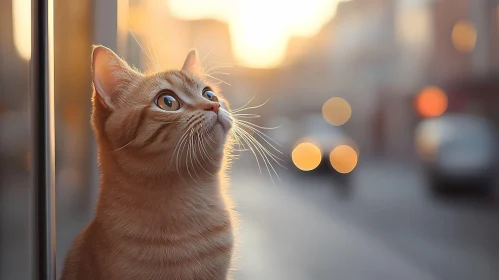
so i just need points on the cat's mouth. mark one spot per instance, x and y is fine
(221, 122)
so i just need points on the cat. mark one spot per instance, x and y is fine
(163, 142)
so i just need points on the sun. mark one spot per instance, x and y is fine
(260, 29)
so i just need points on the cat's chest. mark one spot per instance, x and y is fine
(163, 250)
(169, 233)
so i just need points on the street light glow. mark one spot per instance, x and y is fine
(21, 14)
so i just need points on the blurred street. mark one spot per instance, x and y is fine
(388, 228)
(306, 227)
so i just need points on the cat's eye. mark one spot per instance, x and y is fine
(210, 95)
(167, 102)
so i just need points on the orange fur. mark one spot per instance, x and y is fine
(162, 212)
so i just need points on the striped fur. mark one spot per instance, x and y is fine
(162, 212)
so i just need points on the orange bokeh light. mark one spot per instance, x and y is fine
(306, 156)
(464, 36)
(343, 159)
(431, 102)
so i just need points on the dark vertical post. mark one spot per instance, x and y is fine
(42, 122)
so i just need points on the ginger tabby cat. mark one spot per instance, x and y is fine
(163, 141)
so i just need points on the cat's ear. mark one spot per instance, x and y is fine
(111, 75)
(192, 63)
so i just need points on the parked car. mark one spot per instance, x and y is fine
(308, 145)
(457, 151)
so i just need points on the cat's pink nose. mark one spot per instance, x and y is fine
(213, 106)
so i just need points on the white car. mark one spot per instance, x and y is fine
(457, 151)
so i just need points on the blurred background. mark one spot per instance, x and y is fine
(387, 123)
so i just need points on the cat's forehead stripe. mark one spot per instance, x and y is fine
(190, 81)
(187, 83)
(167, 81)
(178, 82)
(180, 78)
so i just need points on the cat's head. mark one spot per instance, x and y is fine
(163, 123)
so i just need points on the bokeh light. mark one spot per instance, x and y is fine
(431, 102)
(464, 36)
(21, 12)
(343, 159)
(336, 111)
(306, 156)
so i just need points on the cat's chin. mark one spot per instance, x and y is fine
(220, 126)
(219, 132)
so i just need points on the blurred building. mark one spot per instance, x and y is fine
(380, 54)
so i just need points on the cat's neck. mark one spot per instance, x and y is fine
(119, 189)
(141, 209)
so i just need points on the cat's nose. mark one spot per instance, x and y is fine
(213, 106)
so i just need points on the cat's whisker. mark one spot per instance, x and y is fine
(251, 142)
(206, 56)
(246, 104)
(238, 132)
(140, 46)
(149, 52)
(154, 54)
(238, 142)
(252, 107)
(211, 140)
(246, 116)
(194, 157)
(188, 154)
(174, 154)
(220, 73)
(263, 136)
(216, 66)
(212, 71)
(215, 78)
(267, 151)
(189, 157)
(249, 117)
(183, 147)
(257, 126)
(221, 64)
(179, 150)
(202, 149)
(177, 146)
(124, 146)
(265, 160)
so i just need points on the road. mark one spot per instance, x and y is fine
(306, 227)
(388, 227)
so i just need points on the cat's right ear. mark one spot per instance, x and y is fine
(111, 75)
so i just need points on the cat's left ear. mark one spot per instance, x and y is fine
(192, 63)
(111, 75)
